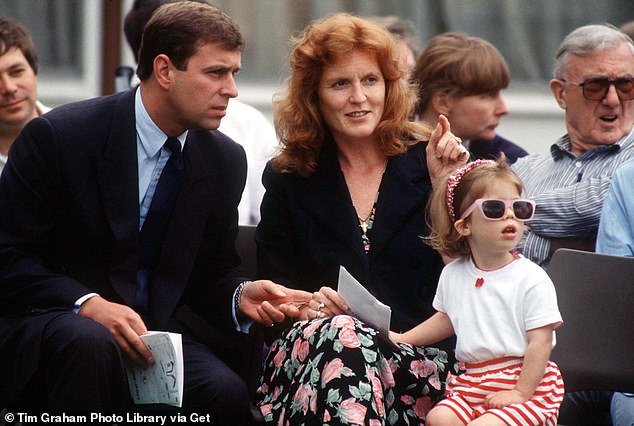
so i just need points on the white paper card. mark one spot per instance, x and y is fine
(162, 382)
(362, 303)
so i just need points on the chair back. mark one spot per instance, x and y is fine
(595, 346)
(245, 245)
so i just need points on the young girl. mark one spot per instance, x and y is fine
(501, 306)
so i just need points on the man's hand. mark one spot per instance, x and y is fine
(445, 152)
(269, 303)
(124, 324)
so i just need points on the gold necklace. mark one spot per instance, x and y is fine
(366, 223)
(363, 223)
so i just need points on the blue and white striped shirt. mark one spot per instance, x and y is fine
(569, 191)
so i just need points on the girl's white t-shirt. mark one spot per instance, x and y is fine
(491, 311)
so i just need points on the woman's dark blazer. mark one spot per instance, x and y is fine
(309, 227)
(490, 150)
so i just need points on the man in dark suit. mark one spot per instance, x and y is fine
(77, 283)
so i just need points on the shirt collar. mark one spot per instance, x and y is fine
(41, 108)
(151, 137)
(561, 148)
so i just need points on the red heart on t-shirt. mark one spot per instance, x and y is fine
(479, 282)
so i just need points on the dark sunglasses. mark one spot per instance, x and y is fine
(595, 89)
(495, 209)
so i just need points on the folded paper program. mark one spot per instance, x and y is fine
(363, 305)
(162, 382)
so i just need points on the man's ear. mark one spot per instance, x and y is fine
(162, 68)
(462, 227)
(557, 88)
(441, 102)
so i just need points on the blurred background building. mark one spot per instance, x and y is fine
(80, 44)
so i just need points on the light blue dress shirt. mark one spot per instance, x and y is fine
(151, 159)
(616, 237)
(151, 154)
(616, 228)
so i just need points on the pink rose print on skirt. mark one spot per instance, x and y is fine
(352, 412)
(349, 338)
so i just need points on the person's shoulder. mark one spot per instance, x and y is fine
(248, 126)
(92, 106)
(625, 170)
(413, 161)
(217, 142)
(457, 264)
(289, 182)
(531, 160)
(509, 147)
(491, 149)
(241, 114)
(41, 108)
(270, 174)
(627, 142)
(502, 141)
(96, 101)
(86, 120)
(417, 148)
(237, 107)
(531, 269)
(214, 147)
(523, 261)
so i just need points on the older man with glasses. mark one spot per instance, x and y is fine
(593, 82)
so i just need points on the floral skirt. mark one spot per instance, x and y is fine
(338, 371)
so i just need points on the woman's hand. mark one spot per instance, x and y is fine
(326, 303)
(445, 152)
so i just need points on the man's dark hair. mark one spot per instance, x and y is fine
(15, 35)
(136, 18)
(178, 29)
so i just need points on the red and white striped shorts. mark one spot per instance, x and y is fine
(466, 393)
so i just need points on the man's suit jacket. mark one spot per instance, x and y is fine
(309, 227)
(69, 221)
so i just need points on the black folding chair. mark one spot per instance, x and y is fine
(595, 346)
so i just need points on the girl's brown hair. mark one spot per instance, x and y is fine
(443, 236)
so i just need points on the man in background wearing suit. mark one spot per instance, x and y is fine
(85, 268)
